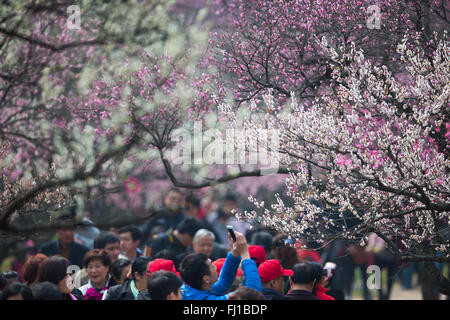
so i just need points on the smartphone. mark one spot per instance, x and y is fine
(231, 231)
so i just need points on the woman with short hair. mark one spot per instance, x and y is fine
(55, 270)
(30, 268)
(97, 264)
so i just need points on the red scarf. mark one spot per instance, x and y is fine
(320, 293)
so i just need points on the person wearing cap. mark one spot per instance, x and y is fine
(257, 253)
(272, 277)
(201, 281)
(302, 282)
(239, 275)
(161, 264)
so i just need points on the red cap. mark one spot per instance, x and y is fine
(271, 269)
(257, 253)
(219, 264)
(161, 264)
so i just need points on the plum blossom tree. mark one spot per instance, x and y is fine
(271, 44)
(86, 109)
(269, 50)
(371, 155)
(83, 108)
(364, 160)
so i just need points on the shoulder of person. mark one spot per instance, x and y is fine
(143, 295)
(79, 246)
(78, 294)
(49, 246)
(84, 288)
(158, 239)
(114, 291)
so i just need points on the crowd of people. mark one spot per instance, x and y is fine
(182, 253)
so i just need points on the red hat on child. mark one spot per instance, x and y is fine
(257, 253)
(271, 269)
(161, 264)
(219, 264)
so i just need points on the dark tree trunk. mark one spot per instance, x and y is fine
(433, 282)
(429, 287)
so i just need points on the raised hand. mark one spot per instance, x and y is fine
(240, 247)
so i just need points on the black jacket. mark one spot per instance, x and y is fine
(77, 293)
(166, 241)
(123, 292)
(120, 292)
(77, 251)
(271, 294)
(300, 295)
(163, 221)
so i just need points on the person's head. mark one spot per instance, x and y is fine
(192, 206)
(257, 253)
(244, 293)
(304, 276)
(17, 291)
(283, 250)
(264, 239)
(130, 238)
(97, 264)
(167, 255)
(67, 229)
(46, 291)
(204, 242)
(120, 268)
(186, 229)
(164, 285)
(110, 243)
(161, 264)
(219, 265)
(229, 203)
(54, 270)
(272, 275)
(198, 272)
(138, 272)
(320, 274)
(174, 200)
(7, 278)
(31, 266)
(66, 235)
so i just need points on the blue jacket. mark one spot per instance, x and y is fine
(226, 278)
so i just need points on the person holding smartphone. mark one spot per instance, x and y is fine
(201, 281)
